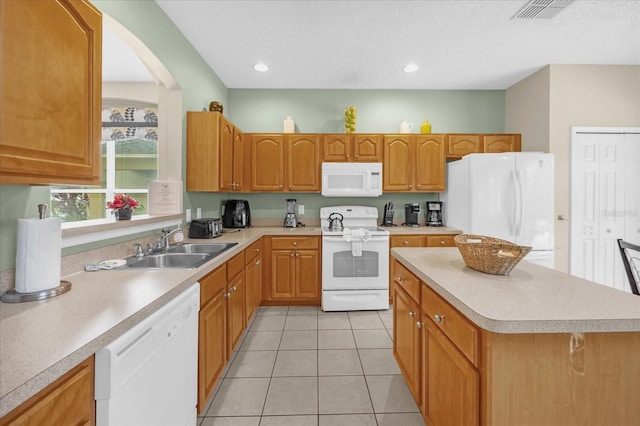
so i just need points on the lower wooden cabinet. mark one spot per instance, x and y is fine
(293, 270)
(67, 401)
(406, 338)
(450, 383)
(212, 332)
(253, 278)
(236, 295)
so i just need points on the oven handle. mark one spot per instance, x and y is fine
(340, 239)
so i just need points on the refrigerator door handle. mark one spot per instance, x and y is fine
(519, 203)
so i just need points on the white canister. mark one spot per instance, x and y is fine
(289, 125)
(406, 127)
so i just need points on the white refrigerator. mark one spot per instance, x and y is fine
(507, 196)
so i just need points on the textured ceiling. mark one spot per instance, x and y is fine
(458, 44)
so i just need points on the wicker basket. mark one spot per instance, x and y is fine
(489, 255)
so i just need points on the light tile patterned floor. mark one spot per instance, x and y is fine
(301, 366)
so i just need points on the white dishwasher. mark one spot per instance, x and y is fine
(149, 375)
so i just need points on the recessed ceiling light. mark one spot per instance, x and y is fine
(261, 67)
(410, 68)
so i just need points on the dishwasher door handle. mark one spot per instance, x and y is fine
(124, 351)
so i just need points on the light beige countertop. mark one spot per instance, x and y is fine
(531, 299)
(42, 340)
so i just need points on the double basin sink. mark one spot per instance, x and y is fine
(186, 256)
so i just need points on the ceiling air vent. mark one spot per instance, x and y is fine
(542, 9)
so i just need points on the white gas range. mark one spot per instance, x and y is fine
(355, 260)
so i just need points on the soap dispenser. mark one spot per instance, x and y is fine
(425, 127)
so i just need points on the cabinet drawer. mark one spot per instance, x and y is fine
(406, 241)
(440, 241)
(252, 251)
(211, 284)
(235, 266)
(455, 326)
(292, 243)
(405, 279)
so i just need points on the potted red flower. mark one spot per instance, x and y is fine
(122, 206)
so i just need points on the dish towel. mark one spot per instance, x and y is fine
(356, 237)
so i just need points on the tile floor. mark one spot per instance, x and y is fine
(301, 366)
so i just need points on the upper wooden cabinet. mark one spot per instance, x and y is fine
(460, 145)
(288, 162)
(51, 85)
(214, 153)
(414, 163)
(344, 147)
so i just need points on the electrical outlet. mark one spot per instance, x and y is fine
(198, 213)
(300, 208)
(187, 215)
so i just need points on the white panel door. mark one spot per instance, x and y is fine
(604, 203)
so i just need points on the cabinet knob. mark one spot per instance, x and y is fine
(400, 278)
(441, 242)
(291, 254)
(419, 324)
(257, 262)
(227, 295)
(417, 186)
(439, 318)
(257, 250)
(347, 156)
(280, 186)
(412, 314)
(406, 243)
(234, 288)
(409, 186)
(289, 186)
(295, 243)
(356, 155)
(297, 254)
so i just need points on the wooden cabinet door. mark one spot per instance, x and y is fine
(302, 163)
(461, 145)
(452, 384)
(267, 162)
(502, 143)
(226, 154)
(212, 345)
(253, 277)
(67, 401)
(397, 173)
(406, 339)
(430, 163)
(367, 148)
(307, 276)
(238, 160)
(235, 314)
(335, 147)
(282, 274)
(51, 85)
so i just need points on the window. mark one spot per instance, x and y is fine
(129, 149)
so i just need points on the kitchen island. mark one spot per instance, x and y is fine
(536, 347)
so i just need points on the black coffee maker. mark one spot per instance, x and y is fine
(236, 214)
(411, 212)
(434, 213)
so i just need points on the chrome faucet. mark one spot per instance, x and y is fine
(163, 242)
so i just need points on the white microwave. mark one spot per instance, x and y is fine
(351, 179)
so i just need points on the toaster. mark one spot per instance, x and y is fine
(205, 228)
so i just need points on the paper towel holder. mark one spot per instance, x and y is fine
(12, 296)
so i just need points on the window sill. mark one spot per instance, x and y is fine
(75, 234)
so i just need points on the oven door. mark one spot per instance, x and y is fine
(341, 270)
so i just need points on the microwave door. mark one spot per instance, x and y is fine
(347, 183)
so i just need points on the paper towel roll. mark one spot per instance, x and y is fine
(38, 254)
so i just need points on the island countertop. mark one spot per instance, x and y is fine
(531, 299)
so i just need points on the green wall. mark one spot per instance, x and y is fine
(263, 111)
(379, 111)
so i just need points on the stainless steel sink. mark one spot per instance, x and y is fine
(213, 248)
(186, 256)
(169, 260)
